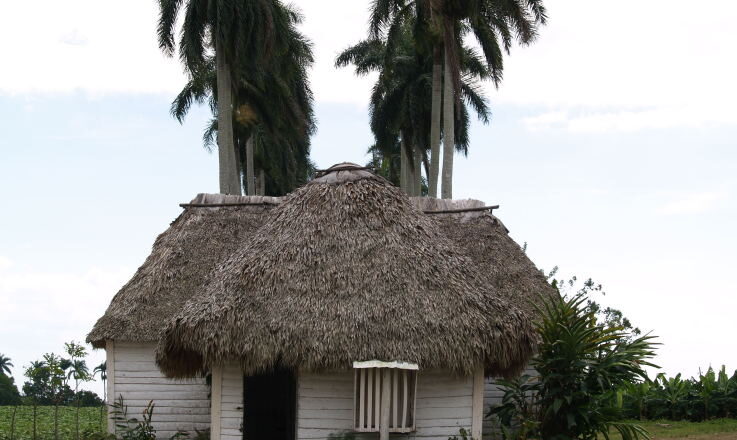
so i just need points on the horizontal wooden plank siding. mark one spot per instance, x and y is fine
(179, 404)
(325, 406)
(231, 403)
(493, 396)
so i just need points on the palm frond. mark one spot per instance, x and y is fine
(169, 9)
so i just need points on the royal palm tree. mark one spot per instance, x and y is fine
(244, 34)
(441, 26)
(5, 365)
(37, 365)
(65, 364)
(388, 18)
(400, 105)
(102, 371)
(273, 116)
(79, 372)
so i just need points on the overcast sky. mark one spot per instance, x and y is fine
(612, 152)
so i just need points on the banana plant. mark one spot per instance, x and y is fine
(673, 391)
(706, 390)
(639, 393)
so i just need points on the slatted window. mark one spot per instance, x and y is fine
(368, 386)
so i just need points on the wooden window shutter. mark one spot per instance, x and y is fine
(368, 385)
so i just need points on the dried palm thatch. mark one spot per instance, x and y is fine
(200, 238)
(486, 241)
(346, 269)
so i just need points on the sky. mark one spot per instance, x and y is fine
(612, 151)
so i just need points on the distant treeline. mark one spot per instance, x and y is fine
(52, 380)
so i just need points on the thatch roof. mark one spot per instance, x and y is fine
(486, 241)
(346, 269)
(201, 237)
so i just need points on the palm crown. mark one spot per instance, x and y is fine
(439, 27)
(5, 364)
(401, 99)
(250, 39)
(273, 109)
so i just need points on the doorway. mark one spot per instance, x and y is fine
(269, 406)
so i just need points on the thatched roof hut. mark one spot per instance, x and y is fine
(346, 268)
(212, 228)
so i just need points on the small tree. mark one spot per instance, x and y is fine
(8, 391)
(79, 372)
(582, 364)
(77, 368)
(47, 381)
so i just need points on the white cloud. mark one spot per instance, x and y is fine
(693, 203)
(546, 120)
(94, 46)
(626, 53)
(5, 263)
(48, 308)
(630, 64)
(74, 38)
(598, 121)
(105, 47)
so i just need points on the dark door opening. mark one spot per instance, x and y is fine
(269, 406)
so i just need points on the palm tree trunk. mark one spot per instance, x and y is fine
(258, 182)
(426, 165)
(404, 165)
(437, 74)
(250, 174)
(446, 190)
(229, 179)
(417, 170)
(261, 182)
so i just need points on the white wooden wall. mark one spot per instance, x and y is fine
(180, 404)
(493, 396)
(325, 406)
(227, 405)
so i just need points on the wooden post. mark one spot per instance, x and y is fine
(385, 403)
(478, 403)
(370, 398)
(110, 371)
(362, 396)
(216, 403)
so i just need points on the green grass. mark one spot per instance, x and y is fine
(90, 419)
(667, 429)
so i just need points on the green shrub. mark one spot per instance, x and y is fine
(464, 435)
(582, 364)
(130, 428)
(518, 414)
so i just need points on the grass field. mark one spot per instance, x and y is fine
(90, 419)
(719, 429)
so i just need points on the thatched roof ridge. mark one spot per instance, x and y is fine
(346, 269)
(181, 258)
(486, 241)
